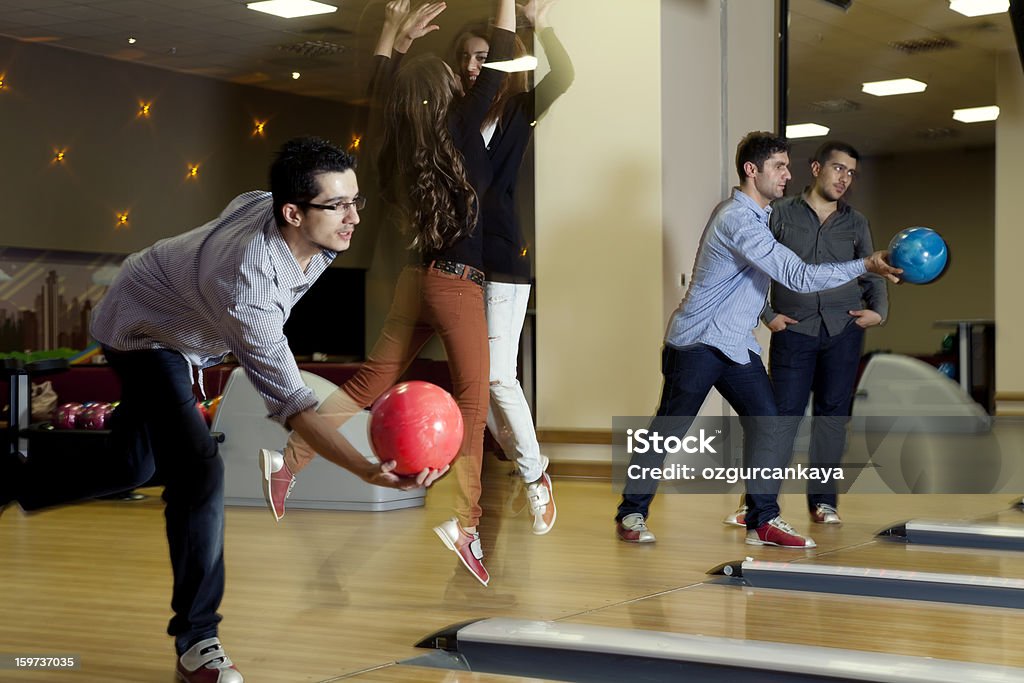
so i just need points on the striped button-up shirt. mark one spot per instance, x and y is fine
(737, 260)
(227, 286)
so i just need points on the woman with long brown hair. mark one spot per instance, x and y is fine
(433, 169)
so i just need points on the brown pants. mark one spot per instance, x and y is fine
(427, 301)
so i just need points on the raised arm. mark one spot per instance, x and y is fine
(561, 72)
(384, 66)
(416, 24)
(472, 108)
(395, 13)
(506, 16)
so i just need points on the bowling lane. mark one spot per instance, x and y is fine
(938, 559)
(1013, 518)
(904, 627)
(399, 673)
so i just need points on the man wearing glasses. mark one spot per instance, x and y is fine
(710, 339)
(178, 307)
(817, 338)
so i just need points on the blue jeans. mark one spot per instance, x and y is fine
(827, 366)
(157, 428)
(690, 373)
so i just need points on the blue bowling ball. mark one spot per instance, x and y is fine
(920, 252)
(948, 369)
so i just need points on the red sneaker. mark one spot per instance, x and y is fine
(825, 514)
(633, 529)
(738, 518)
(278, 481)
(778, 532)
(206, 662)
(466, 546)
(541, 498)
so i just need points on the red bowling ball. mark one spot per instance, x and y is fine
(416, 424)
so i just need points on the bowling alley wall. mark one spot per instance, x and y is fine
(108, 156)
(629, 164)
(104, 157)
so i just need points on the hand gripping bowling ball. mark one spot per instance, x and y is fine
(920, 252)
(416, 424)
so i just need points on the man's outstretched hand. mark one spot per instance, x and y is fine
(384, 475)
(878, 263)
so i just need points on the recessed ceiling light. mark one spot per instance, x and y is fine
(290, 9)
(976, 114)
(805, 130)
(977, 8)
(131, 40)
(897, 86)
(527, 63)
(296, 75)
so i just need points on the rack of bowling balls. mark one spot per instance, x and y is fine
(95, 415)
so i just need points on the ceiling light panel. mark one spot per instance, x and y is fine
(977, 8)
(289, 9)
(805, 130)
(897, 86)
(976, 114)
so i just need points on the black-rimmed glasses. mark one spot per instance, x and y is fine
(359, 203)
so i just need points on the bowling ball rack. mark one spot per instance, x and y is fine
(21, 436)
(18, 414)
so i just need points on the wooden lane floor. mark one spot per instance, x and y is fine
(324, 594)
(973, 634)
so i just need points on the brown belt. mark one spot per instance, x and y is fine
(461, 269)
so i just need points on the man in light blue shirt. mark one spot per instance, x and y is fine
(710, 339)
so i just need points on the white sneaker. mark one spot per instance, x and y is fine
(517, 486)
(541, 498)
(206, 662)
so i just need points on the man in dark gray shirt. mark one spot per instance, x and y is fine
(817, 339)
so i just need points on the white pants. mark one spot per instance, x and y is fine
(508, 417)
